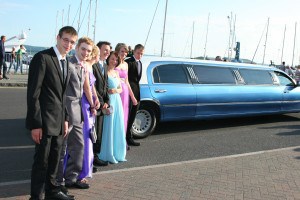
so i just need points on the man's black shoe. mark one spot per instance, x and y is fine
(59, 196)
(6, 78)
(131, 142)
(98, 162)
(78, 185)
(65, 191)
(95, 169)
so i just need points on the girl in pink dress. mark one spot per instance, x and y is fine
(122, 68)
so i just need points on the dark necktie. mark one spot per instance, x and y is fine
(63, 66)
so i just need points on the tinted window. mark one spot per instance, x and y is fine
(169, 74)
(283, 79)
(256, 77)
(214, 75)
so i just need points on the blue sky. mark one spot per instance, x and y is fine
(129, 22)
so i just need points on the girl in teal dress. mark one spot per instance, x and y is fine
(113, 145)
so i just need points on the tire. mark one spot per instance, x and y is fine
(145, 122)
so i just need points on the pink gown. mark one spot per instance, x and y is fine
(124, 95)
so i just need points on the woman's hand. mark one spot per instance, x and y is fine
(134, 101)
(112, 91)
(97, 104)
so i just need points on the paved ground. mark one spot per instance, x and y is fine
(16, 80)
(273, 174)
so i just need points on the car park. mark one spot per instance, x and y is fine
(174, 89)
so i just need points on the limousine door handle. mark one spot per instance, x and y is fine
(160, 91)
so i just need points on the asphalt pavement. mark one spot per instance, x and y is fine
(267, 174)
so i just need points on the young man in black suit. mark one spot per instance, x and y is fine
(101, 85)
(47, 117)
(134, 77)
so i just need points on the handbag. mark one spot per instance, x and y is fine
(108, 110)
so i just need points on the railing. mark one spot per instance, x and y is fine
(25, 63)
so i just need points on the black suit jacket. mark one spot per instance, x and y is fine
(46, 100)
(134, 77)
(101, 84)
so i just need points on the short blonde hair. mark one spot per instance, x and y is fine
(86, 40)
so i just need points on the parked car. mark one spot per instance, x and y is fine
(184, 89)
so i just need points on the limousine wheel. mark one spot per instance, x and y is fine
(144, 123)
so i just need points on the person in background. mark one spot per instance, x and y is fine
(126, 93)
(113, 146)
(47, 116)
(218, 58)
(19, 55)
(100, 72)
(2, 59)
(90, 105)
(134, 77)
(73, 148)
(12, 60)
(130, 53)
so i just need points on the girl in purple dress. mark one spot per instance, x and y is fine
(122, 68)
(90, 104)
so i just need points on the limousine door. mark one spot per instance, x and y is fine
(220, 93)
(291, 93)
(174, 91)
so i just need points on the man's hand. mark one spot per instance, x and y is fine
(36, 135)
(66, 128)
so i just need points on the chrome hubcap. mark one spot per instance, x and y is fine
(142, 122)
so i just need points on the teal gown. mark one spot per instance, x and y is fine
(113, 145)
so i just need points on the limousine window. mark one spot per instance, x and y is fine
(170, 74)
(214, 75)
(256, 77)
(284, 80)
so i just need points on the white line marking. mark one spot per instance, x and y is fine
(168, 164)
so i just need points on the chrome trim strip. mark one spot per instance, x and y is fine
(229, 103)
(152, 100)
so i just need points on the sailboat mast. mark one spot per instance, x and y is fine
(62, 17)
(294, 44)
(192, 40)
(69, 14)
(163, 37)
(263, 62)
(79, 16)
(283, 42)
(204, 55)
(56, 26)
(88, 26)
(232, 37)
(95, 22)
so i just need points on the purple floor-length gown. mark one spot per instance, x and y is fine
(124, 95)
(89, 120)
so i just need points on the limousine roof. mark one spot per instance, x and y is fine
(146, 60)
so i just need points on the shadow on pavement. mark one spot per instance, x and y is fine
(13, 191)
(194, 125)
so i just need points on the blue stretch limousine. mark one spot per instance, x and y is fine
(183, 89)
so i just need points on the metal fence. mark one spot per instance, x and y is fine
(24, 63)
